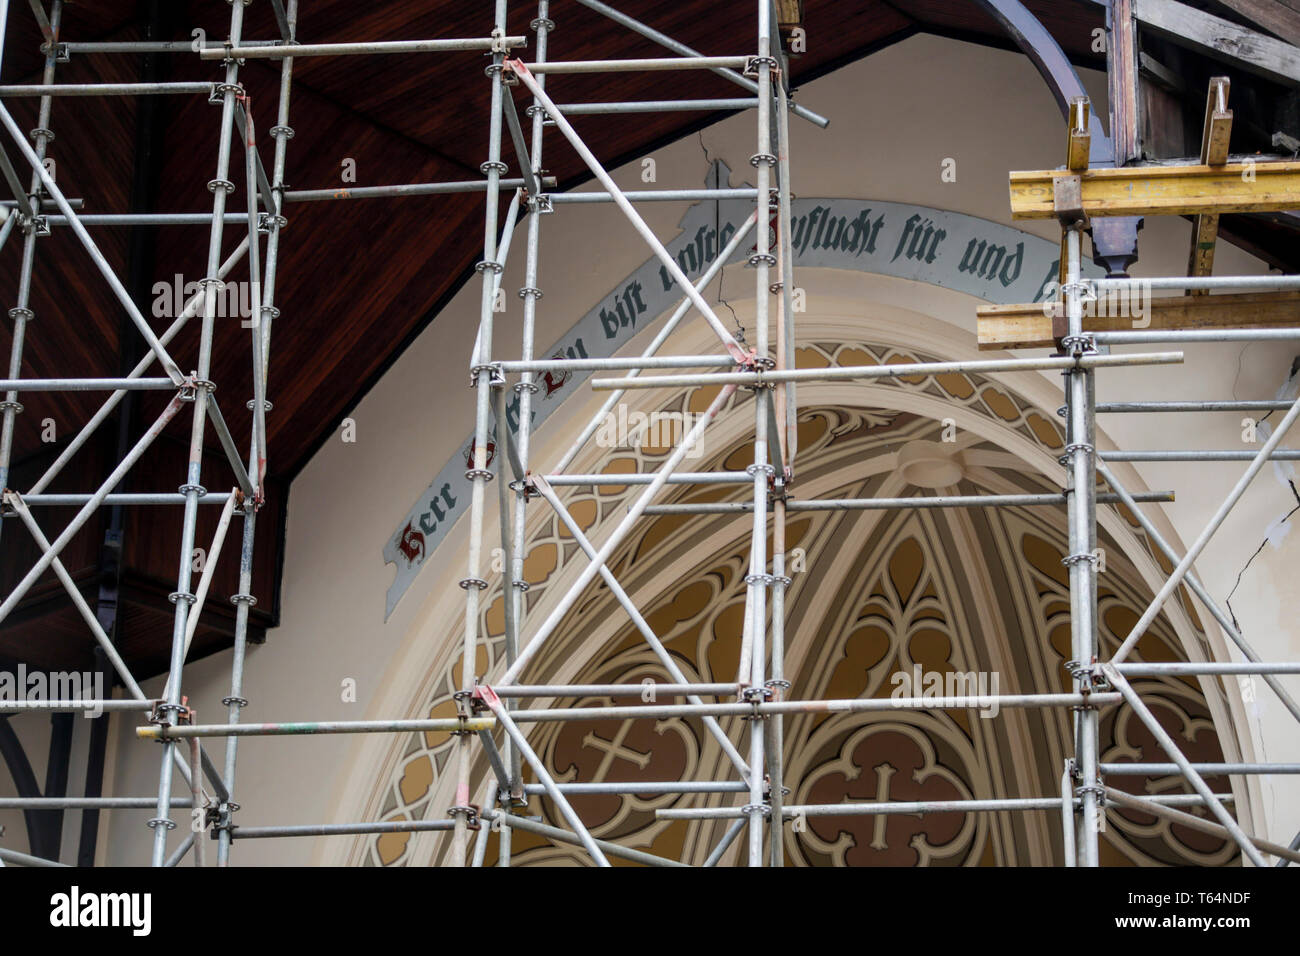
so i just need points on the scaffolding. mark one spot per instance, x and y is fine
(494, 715)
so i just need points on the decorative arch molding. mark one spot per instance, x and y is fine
(978, 572)
(941, 248)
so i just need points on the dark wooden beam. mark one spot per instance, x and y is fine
(1221, 39)
(1279, 19)
(1122, 73)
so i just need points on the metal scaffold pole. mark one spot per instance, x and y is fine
(753, 653)
(1082, 559)
(201, 387)
(484, 375)
(21, 314)
(515, 537)
(265, 314)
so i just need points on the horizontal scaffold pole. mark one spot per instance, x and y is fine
(1225, 454)
(124, 498)
(854, 706)
(902, 370)
(403, 189)
(656, 195)
(76, 706)
(280, 51)
(86, 384)
(890, 504)
(1192, 669)
(450, 725)
(340, 829)
(904, 807)
(87, 803)
(459, 724)
(642, 788)
(1264, 405)
(645, 478)
(651, 63)
(104, 89)
(1204, 769)
(658, 106)
(647, 688)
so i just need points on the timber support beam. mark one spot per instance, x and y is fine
(1161, 190)
(1029, 325)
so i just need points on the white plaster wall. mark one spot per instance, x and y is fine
(892, 126)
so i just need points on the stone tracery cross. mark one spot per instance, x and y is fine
(883, 772)
(614, 749)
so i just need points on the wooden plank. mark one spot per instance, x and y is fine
(1027, 325)
(1150, 68)
(1280, 19)
(1221, 39)
(1163, 190)
(1163, 133)
(1216, 132)
(1217, 129)
(1205, 236)
(789, 14)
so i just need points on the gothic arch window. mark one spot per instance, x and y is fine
(874, 595)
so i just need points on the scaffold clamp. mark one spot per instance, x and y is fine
(471, 813)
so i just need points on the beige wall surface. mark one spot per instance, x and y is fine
(895, 118)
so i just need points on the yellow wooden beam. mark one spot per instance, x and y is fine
(1027, 325)
(1163, 190)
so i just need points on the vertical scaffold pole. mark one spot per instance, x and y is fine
(777, 682)
(784, 408)
(22, 312)
(482, 374)
(244, 600)
(758, 578)
(1082, 560)
(525, 388)
(4, 28)
(221, 187)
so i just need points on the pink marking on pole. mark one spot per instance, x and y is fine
(486, 694)
(738, 353)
